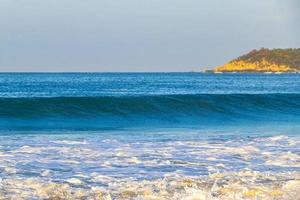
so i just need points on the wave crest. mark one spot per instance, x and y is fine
(133, 111)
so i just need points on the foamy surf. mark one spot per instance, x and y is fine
(225, 186)
(89, 167)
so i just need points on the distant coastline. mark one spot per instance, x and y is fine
(267, 61)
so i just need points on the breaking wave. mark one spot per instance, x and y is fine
(153, 111)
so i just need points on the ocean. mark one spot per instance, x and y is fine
(149, 136)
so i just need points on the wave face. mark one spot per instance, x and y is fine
(110, 112)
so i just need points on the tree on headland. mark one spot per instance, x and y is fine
(264, 60)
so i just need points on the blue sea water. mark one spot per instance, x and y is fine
(95, 101)
(95, 129)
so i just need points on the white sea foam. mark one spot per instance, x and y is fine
(258, 168)
(227, 186)
(71, 142)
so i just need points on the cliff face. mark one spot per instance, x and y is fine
(264, 60)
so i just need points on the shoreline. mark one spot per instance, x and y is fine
(225, 186)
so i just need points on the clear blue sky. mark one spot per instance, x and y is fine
(140, 35)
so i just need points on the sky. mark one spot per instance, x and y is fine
(140, 35)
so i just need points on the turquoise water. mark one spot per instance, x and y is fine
(114, 131)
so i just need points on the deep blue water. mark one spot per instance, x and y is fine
(143, 84)
(113, 101)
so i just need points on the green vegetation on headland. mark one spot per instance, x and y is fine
(264, 60)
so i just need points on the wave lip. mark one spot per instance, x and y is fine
(159, 110)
